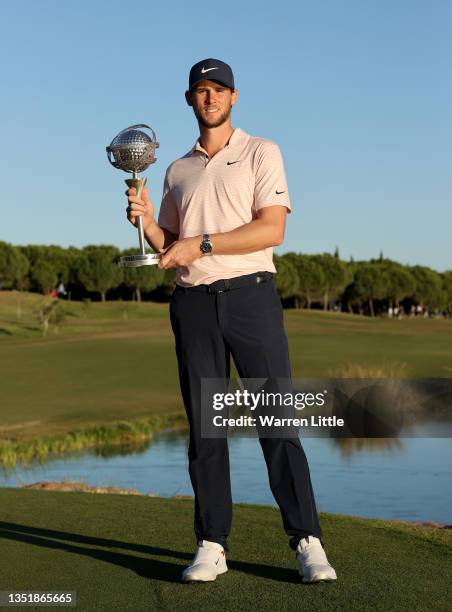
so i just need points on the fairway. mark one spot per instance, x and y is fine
(127, 553)
(116, 361)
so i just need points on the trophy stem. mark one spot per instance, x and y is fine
(138, 184)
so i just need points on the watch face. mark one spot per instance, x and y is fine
(206, 247)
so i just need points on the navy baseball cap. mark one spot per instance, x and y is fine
(212, 70)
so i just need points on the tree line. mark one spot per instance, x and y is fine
(303, 281)
(88, 273)
(365, 287)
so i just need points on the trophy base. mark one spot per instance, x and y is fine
(135, 261)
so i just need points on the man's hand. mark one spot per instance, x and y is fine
(140, 207)
(180, 253)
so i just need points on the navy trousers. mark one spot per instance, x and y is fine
(211, 324)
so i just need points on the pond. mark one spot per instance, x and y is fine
(393, 478)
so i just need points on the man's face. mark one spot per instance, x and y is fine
(211, 102)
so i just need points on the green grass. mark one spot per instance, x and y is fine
(320, 342)
(99, 368)
(100, 436)
(127, 552)
(102, 368)
(110, 374)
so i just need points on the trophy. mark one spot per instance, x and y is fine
(132, 150)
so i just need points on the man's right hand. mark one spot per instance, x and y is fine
(140, 207)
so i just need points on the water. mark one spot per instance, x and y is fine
(406, 478)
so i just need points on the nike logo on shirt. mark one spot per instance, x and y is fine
(234, 162)
(279, 192)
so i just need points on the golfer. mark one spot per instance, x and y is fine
(224, 207)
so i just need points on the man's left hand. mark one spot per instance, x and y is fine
(180, 253)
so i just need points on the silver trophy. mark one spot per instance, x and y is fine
(132, 150)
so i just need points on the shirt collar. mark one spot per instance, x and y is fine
(236, 137)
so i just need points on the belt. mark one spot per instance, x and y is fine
(227, 284)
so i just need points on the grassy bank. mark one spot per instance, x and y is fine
(13, 451)
(127, 552)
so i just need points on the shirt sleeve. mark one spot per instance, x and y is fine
(271, 184)
(168, 215)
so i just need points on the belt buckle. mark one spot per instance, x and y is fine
(213, 290)
(226, 284)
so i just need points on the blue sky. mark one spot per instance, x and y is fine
(357, 94)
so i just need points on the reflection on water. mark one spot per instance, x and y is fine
(348, 446)
(113, 450)
(406, 478)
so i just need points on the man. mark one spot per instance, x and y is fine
(224, 207)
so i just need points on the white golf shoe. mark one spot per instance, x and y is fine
(312, 561)
(209, 562)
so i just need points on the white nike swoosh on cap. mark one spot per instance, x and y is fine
(203, 70)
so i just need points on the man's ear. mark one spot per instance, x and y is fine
(234, 96)
(188, 98)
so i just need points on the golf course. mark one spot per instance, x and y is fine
(115, 361)
(107, 372)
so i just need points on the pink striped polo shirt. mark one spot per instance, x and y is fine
(203, 195)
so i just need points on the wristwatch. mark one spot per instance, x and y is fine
(206, 245)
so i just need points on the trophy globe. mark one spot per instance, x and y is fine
(133, 150)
